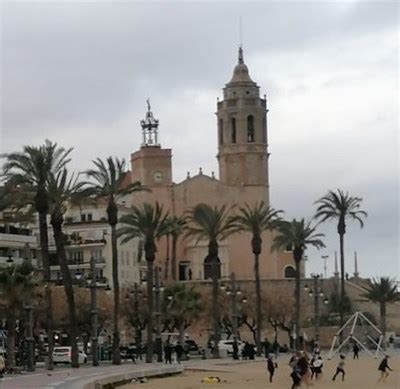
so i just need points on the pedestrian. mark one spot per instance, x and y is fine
(317, 367)
(340, 368)
(382, 368)
(168, 353)
(179, 352)
(295, 374)
(235, 349)
(303, 365)
(356, 349)
(271, 367)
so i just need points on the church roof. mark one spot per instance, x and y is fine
(241, 71)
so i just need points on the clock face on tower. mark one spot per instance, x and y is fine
(158, 177)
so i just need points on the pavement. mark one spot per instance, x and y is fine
(68, 378)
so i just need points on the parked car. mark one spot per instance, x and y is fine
(63, 355)
(228, 345)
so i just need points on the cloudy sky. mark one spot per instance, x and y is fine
(79, 74)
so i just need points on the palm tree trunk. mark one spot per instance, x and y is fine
(44, 247)
(297, 304)
(68, 289)
(116, 339)
(167, 260)
(173, 259)
(258, 303)
(11, 323)
(213, 253)
(383, 323)
(342, 283)
(150, 276)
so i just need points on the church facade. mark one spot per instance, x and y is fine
(242, 135)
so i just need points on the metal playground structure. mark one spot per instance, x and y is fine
(359, 329)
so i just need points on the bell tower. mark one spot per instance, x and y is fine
(242, 131)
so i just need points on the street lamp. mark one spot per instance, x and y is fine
(233, 291)
(317, 293)
(158, 289)
(93, 312)
(29, 320)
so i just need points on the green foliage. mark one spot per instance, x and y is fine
(209, 223)
(382, 290)
(297, 234)
(184, 307)
(336, 305)
(175, 225)
(339, 206)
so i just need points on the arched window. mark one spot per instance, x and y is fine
(250, 128)
(290, 272)
(209, 267)
(233, 130)
(221, 131)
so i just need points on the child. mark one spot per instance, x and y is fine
(382, 368)
(317, 367)
(340, 368)
(271, 367)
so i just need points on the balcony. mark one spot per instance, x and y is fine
(75, 265)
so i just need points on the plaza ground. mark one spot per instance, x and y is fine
(360, 374)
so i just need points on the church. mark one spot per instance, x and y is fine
(242, 134)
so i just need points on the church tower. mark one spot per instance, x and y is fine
(151, 165)
(242, 131)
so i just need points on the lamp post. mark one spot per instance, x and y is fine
(29, 320)
(317, 293)
(93, 312)
(157, 294)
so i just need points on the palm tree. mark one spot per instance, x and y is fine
(109, 177)
(298, 235)
(30, 171)
(148, 223)
(340, 206)
(176, 226)
(16, 285)
(214, 225)
(62, 189)
(256, 220)
(182, 305)
(382, 291)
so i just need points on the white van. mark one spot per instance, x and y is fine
(63, 355)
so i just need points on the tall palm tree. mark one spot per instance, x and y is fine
(64, 188)
(256, 220)
(182, 305)
(176, 226)
(16, 285)
(298, 235)
(108, 179)
(148, 223)
(382, 291)
(340, 206)
(30, 170)
(212, 224)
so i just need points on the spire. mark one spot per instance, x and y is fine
(240, 55)
(241, 71)
(149, 128)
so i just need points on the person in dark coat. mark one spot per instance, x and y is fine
(179, 352)
(270, 367)
(356, 349)
(235, 348)
(168, 353)
(382, 368)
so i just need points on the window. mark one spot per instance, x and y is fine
(221, 131)
(83, 217)
(209, 267)
(89, 217)
(290, 272)
(250, 128)
(233, 130)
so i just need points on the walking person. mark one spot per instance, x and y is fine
(317, 367)
(235, 348)
(382, 368)
(179, 352)
(271, 367)
(340, 368)
(356, 350)
(295, 374)
(304, 368)
(168, 353)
